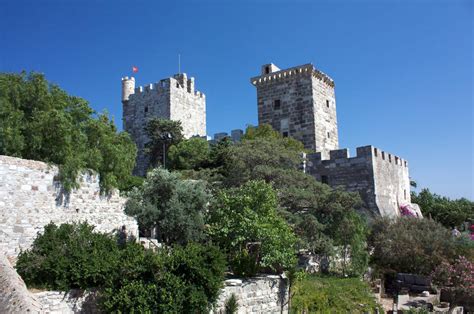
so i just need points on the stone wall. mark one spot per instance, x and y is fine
(74, 301)
(380, 178)
(299, 102)
(266, 294)
(173, 98)
(31, 197)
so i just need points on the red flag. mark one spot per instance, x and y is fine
(134, 69)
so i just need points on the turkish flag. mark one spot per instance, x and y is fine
(134, 69)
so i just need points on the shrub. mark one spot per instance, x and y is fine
(410, 245)
(128, 277)
(69, 256)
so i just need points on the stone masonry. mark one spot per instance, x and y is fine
(300, 102)
(379, 177)
(264, 294)
(31, 197)
(172, 98)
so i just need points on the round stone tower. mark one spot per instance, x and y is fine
(128, 87)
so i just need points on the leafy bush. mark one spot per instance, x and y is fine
(69, 256)
(40, 121)
(128, 277)
(314, 294)
(173, 281)
(410, 245)
(247, 216)
(174, 205)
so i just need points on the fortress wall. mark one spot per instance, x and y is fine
(188, 106)
(352, 174)
(381, 178)
(392, 182)
(31, 197)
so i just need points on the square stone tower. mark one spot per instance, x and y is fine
(172, 98)
(299, 102)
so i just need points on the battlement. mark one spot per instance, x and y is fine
(362, 152)
(178, 81)
(272, 73)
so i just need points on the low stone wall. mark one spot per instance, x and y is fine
(266, 294)
(31, 197)
(75, 301)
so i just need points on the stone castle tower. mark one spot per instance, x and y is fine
(172, 98)
(299, 102)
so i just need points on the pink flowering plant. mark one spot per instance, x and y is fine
(458, 276)
(406, 211)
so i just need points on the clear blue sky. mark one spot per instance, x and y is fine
(403, 69)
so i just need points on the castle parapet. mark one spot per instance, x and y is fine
(179, 81)
(339, 153)
(274, 73)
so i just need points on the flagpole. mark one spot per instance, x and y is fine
(179, 63)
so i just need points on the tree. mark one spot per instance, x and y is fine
(173, 205)
(40, 121)
(246, 216)
(162, 134)
(410, 245)
(190, 154)
(449, 213)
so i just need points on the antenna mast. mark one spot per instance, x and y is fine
(179, 63)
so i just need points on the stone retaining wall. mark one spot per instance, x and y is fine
(266, 294)
(31, 197)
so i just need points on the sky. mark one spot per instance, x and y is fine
(403, 69)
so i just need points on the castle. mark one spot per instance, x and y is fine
(173, 98)
(298, 102)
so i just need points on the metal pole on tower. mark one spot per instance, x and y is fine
(179, 63)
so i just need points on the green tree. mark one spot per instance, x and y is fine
(247, 216)
(162, 134)
(449, 213)
(190, 154)
(40, 121)
(173, 205)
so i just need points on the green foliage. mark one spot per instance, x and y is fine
(129, 278)
(173, 281)
(449, 213)
(247, 216)
(69, 256)
(231, 305)
(162, 134)
(410, 245)
(191, 154)
(173, 205)
(331, 295)
(40, 121)
(265, 131)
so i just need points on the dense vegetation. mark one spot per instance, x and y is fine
(315, 294)
(40, 121)
(450, 213)
(411, 245)
(128, 277)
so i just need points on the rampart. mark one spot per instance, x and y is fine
(380, 178)
(31, 197)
